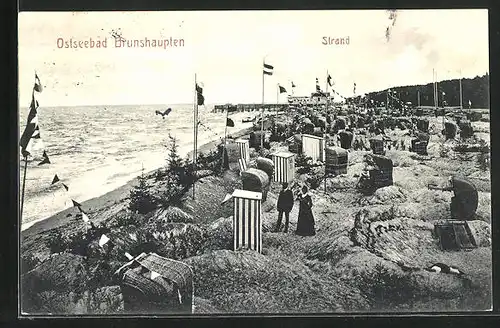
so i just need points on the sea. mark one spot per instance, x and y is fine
(96, 149)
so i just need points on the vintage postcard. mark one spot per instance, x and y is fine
(254, 162)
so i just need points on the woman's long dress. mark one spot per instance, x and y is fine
(305, 223)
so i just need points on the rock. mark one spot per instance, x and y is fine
(385, 195)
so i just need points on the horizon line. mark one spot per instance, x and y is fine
(258, 102)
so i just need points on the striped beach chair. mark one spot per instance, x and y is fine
(243, 165)
(284, 166)
(247, 224)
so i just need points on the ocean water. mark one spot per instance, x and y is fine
(96, 149)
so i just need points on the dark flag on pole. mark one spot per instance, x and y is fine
(282, 89)
(268, 69)
(32, 130)
(45, 160)
(76, 204)
(293, 85)
(55, 180)
(38, 85)
(229, 122)
(318, 88)
(329, 80)
(199, 92)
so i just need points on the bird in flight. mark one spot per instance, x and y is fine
(163, 114)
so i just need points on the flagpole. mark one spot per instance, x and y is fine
(195, 119)
(324, 133)
(24, 184)
(262, 114)
(225, 138)
(461, 106)
(277, 103)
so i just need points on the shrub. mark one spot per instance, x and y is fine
(141, 199)
(303, 164)
(57, 243)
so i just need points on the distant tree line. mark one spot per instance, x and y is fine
(476, 90)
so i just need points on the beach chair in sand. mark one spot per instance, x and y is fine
(284, 166)
(247, 220)
(336, 161)
(156, 285)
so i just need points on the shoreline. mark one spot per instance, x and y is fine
(116, 195)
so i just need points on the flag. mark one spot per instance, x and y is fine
(200, 97)
(65, 187)
(354, 90)
(32, 130)
(45, 160)
(133, 236)
(104, 239)
(229, 122)
(268, 69)
(154, 275)
(228, 197)
(318, 89)
(293, 85)
(282, 89)
(55, 180)
(76, 204)
(85, 217)
(329, 80)
(38, 85)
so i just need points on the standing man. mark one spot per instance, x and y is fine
(285, 205)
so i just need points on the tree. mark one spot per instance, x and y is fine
(141, 200)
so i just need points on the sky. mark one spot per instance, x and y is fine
(226, 49)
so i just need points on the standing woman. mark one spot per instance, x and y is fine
(305, 222)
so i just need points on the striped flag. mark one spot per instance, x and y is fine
(318, 88)
(38, 85)
(32, 130)
(268, 69)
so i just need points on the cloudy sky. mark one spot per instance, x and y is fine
(226, 50)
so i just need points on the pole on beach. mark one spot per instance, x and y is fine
(324, 133)
(195, 131)
(461, 106)
(262, 113)
(24, 184)
(225, 139)
(277, 106)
